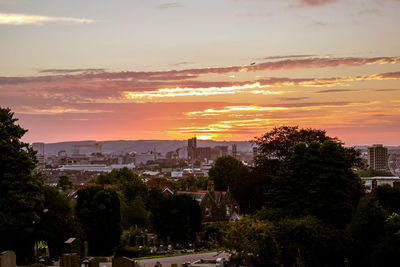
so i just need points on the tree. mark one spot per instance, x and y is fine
(277, 145)
(365, 231)
(317, 180)
(178, 218)
(253, 242)
(279, 142)
(57, 223)
(98, 211)
(125, 181)
(388, 197)
(21, 196)
(225, 171)
(64, 183)
(387, 252)
(249, 190)
(307, 241)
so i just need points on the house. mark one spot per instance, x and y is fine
(216, 206)
(373, 182)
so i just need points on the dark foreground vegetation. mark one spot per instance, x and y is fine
(303, 204)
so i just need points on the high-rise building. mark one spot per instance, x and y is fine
(39, 148)
(192, 145)
(203, 153)
(378, 157)
(234, 150)
(192, 142)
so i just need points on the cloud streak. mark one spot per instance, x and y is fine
(96, 75)
(169, 5)
(24, 19)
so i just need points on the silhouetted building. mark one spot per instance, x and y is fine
(216, 206)
(192, 145)
(234, 150)
(39, 148)
(203, 153)
(378, 157)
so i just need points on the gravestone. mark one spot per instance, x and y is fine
(73, 245)
(123, 262)
(95, 261)
(70, 260)
(8, 259)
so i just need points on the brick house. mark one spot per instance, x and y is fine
(216, 206)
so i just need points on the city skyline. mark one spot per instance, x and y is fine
(231, 70)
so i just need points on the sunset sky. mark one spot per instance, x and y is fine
(219, 69)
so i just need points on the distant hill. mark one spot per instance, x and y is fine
(140, 146)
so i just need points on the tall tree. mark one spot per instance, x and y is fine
(225, 171)
(177, 217)
(57, 223)
(317, 180)
(98, 211)
(21, 196)
(277, 145)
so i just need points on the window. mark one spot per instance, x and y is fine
(208, 211)
(228, 210)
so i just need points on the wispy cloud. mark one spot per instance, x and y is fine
(186, 74)
(320, 23)
(71, 71)
(293, 98)
(169, 5)
(312, 3)
(22, 19)
(175, 92)
(336, 91)
(287, 57)
(55, 110)
(181, 63)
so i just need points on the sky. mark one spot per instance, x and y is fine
(221, 70)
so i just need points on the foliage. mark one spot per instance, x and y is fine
(177, 218)
(134, 213)
(388, 197)
(317, 180)
(191, 183)
(277, 145)
(64, 183)
(212, 235)
(253, 242)
(372, 173)
(57, 223)
(307, 241)
(279, 142)
(249, 190)
(21, 196)
(225, 171)
(387, 253)
(98, 211)
(365, 231)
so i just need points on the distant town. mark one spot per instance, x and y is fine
(171, 159)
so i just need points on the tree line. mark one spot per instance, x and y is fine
(302, 200)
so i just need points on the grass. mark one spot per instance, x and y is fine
(172, 255)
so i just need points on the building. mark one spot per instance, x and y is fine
(373, 182)
(216, 206)
(234, 151)
(378, 157)
(143, 158)
(39, 148)
(202, 153)
(183, 152)
(192, 145)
